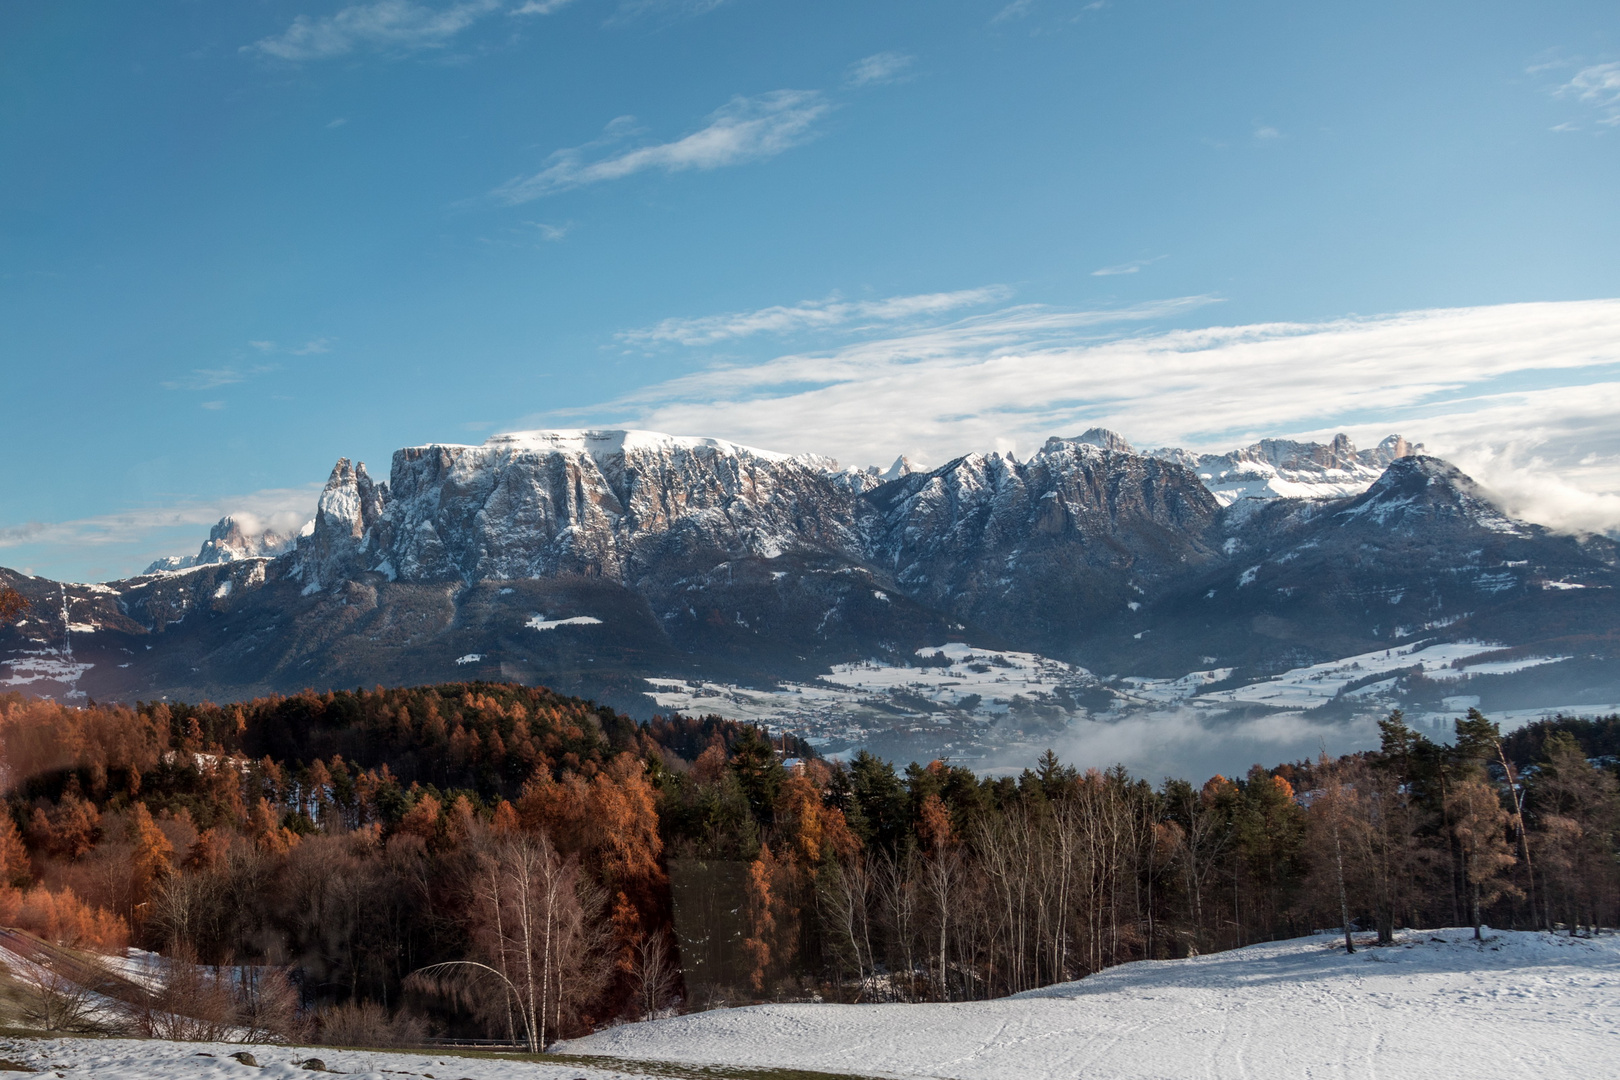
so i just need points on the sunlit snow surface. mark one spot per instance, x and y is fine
(1435, 1006)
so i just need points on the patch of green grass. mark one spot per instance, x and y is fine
(684, 1071)
(666, 1070)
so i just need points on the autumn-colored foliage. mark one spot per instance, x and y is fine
(62, 918)
(358, 837)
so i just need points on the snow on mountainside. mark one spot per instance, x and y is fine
(1284, 469)
(1434, 1006)
(1074, 533)
(543, 503)
(606, 563)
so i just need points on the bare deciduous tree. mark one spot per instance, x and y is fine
(537, 925)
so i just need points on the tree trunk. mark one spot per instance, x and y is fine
(1344, 897)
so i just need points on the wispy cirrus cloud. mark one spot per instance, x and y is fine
(744, 129)
(389, 25)
(883, 67)
(212, 378)
(669, 9)
(832, 313)
(1599, 87)
(123, 542)
(1521, 395)
(1133, 267)
(309, 348)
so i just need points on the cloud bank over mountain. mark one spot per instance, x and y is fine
(1520, 395)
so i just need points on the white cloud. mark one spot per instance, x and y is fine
(548, 232)
(1267, 133)
(399, 25)
(668, 9)
(1125, 268)
(745, 129)
(541, 7)
(1597, 86)
(883, 67)
(1015, 10)
(210, 378)
(809, 315)
(1187, 743)
(1521, 395)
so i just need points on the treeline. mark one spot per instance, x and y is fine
(499, 860)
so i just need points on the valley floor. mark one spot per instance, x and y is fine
(1436, 1005)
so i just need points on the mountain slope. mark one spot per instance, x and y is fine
(1420, 553)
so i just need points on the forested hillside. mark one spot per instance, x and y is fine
(355, 848)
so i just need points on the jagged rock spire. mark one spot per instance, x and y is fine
(349, 506)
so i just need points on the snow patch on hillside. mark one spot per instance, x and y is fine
(1309, 687)
(540, 622)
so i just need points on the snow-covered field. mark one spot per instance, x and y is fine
(142, 1059)
(853, 699)
(1434, 1006)
(1308, 687)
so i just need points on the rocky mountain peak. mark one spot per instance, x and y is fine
(350, 506)
(1291, 469)
(1416, 491)
(1101, 438)
(233, 538)
(237, 537)
(1392, 448)
(903, 466)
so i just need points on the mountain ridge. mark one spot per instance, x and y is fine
(593, 561)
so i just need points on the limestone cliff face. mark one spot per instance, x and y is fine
(617, 504)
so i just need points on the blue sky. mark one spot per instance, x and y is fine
(239, 240)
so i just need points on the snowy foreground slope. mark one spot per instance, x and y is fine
(154, 1059)
(1434, 1006)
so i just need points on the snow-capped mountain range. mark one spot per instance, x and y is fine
(597, 560)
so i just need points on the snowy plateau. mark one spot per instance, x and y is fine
(1090, 597)
(1436, 1005)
